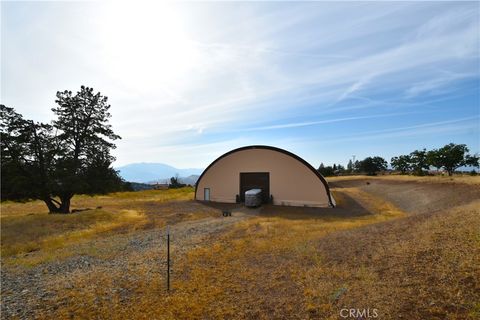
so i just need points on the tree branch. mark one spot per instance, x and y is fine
(56, 201)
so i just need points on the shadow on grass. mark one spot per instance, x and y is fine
(348, 207)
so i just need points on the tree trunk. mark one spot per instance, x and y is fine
(52, 208)
(62, 207)
(65, 204)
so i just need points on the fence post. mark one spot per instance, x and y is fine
(168, 258)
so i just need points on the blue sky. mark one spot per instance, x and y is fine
(190, 81)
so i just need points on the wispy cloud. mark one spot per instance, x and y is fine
(449, 126)
(315, 123)
(438, 83)
(201, 73)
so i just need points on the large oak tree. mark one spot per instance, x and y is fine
(451, 157)
(53, 162)
(372, 165)
(401, 163)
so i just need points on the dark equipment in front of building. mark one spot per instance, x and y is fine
(253, 198)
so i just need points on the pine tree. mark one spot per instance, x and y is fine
(53, 162)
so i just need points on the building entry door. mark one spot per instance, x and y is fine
(255, 180)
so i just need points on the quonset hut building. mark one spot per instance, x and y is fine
(284, 178)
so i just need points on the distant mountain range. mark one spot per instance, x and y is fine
(157, 172)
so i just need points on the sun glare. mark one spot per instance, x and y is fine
(146, 44)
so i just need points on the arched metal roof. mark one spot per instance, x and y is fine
(288, 153)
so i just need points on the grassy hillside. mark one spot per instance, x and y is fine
(372, 251)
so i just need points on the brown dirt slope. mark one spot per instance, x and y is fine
(415, 197)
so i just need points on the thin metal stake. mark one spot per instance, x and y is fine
(168, 258)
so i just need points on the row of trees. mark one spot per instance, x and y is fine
(449, 158)
(327, 171)
(54, 161)
(369, 165)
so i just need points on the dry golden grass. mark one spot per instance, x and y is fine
(113, 202)
(285, 264)
(417, 268)
(30, 235)
(255, 267)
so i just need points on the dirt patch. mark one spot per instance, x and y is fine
(416, 197)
